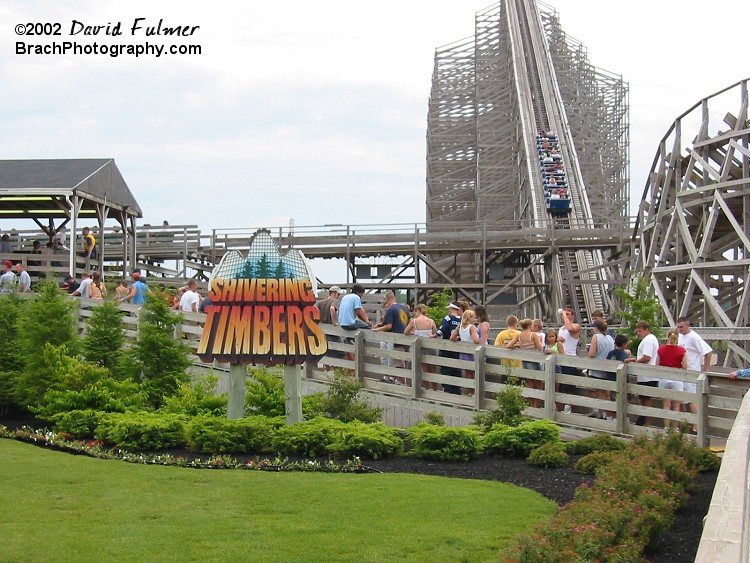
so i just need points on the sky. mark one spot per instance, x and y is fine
(311, 111)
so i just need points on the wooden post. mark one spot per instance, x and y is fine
(622, 398)
(549, 387)
(416, 368)
(702, 410)
(293, 394)
(236, 394)
(478, 376)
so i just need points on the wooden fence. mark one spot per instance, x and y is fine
(417, 367)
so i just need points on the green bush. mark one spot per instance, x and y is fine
(197, 398)
(207, 434)
(705, 460)
(510, 407)
(79, 423)
(444, 442)
(549, 455)
(629, 506)
(78, 385)
(308, 438)
(521, 440)
(436, 418)
(598, 443)
(342, 401)
(590, 464)
(372, 441)
(142, 430)
(264, 392)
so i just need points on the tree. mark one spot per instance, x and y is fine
(102, 344)
(157, 359)
(638, 305)
(48, 319)
(11, 362)
(439, 307)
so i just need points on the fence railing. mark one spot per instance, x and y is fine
(430, 373)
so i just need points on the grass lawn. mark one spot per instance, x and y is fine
(58, 507)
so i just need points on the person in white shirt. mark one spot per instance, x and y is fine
(24, 279)
(190, 299)
(647, 353)
(698, 353)
(8, 279)
(83, 289)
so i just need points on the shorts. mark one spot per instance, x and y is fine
(671, 384)
(466, 357)
(689, 387)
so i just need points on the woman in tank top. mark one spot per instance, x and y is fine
(424, 326)
(466, 332)
(527, 339)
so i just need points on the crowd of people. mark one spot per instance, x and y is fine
(552, 167)
(683, 349)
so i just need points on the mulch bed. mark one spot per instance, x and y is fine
(558, 484)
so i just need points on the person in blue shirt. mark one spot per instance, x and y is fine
(740, 373)
(351, 313)
(138, 291)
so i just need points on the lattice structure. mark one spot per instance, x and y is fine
(694, 218)
(491, 94)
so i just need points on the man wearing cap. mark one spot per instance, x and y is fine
(8, 279)
(450, 322)
(70, 284)
(351, 313)
(24, 279)
(329, 307)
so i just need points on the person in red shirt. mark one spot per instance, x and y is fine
(673, 356)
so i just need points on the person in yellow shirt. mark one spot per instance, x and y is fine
(89, 244)
(504, 338)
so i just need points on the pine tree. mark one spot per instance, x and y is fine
(104, 339)
(48, 319)
(157, 359)
(10, 356)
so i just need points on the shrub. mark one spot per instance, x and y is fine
(78, 385)
(704, 460)
(265, 392)
(372, 441)
(521, 440)
(197, 398)
(590, 464)
(79, 423)
(142, 430)
(598, 443)
(308, 438)
(207, 434)
(342, 401)
(510, 407)
(436, 418)
(445, 443)
(549, 455)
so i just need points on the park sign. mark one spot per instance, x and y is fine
(262, 308)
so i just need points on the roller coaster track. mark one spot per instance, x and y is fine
(575, 271)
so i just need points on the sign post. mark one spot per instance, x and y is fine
(262, 312)
(293, 394)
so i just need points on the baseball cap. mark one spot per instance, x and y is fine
(335, 288)
(453, 306)
(8, 263)
(136, 276)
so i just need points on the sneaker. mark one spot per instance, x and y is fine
(595, 413)
(567, 409)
